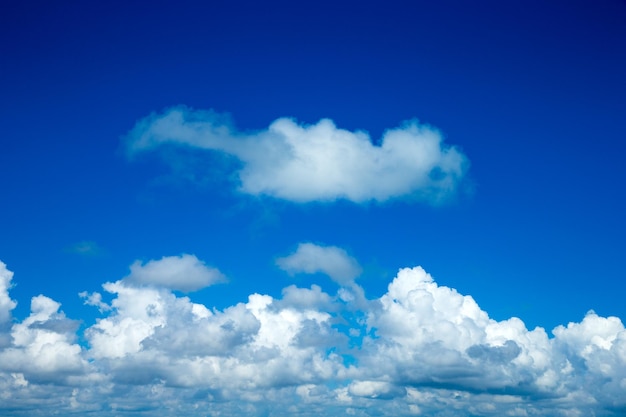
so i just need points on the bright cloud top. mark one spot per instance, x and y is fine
(318, 162)
(183, 273)
(330, 260)
(421, 348)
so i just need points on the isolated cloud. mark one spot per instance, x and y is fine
(419, 349)
(94, 299)
(318, 162)
(87, 248)
(310, 258)
(183, 273)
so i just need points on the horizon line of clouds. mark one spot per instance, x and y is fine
(305, 163)
(421, 348)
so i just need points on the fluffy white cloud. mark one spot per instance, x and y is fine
(436, 337)
(305, 298)
(419, 349)
(330, 260)
(6, 304)
(153, 338)
(183, 273)
(317, 162)
(43, 348)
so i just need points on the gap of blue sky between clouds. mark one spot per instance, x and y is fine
(317, 162)
(421, 348)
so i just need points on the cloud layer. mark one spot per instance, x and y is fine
(419, 349)
(318, 162)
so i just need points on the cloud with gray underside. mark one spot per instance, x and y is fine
(419, 348)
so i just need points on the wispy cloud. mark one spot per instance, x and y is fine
(94, 299)
(317, 162)
(87, 248)
(424, 348)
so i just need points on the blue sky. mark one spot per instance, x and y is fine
(170, 161)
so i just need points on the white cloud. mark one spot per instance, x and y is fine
(311, 258)
(421, 348)
(318, 162)
(304, 298)
(184, 273)
(375, 389)
(43, 347)
(94, 299)
(6, 304)
(437, 337)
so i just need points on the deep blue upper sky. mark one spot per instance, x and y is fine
(533, 92)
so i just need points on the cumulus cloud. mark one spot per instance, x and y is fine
(306, 298)
(424, 349)
(437, 337)
(310, 258)
(183, 273)
(43, 348)
(317, 162)
(6, 303)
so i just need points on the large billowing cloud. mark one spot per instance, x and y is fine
(419, 349)
(318, 162)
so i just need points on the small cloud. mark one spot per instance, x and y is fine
(333, 261)
(94, 299)
(86, 248)
(183, 273)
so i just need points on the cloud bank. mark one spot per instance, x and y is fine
(419, 349)
(319, 162)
